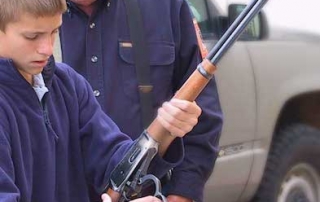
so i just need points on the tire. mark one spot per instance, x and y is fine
(293, 167)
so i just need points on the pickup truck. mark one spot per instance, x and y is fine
(269, 87)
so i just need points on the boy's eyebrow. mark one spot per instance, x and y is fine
(31, 32)
(37, 32)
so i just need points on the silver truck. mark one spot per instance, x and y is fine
(269, 87)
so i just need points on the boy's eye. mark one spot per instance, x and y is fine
(31, 36)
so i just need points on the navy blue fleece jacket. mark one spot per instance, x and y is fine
(52, 151)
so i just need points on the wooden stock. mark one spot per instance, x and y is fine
(195, 83)
(189, 91)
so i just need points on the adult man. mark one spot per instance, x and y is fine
(54, 137)
(95, 39)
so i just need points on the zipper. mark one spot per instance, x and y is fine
(46, 118)
(45, 112)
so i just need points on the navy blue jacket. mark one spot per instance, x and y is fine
(52, 151)
(94, 47)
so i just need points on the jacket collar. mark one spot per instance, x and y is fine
(72, 7)
(10, 75)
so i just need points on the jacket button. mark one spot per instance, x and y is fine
(96, 93)
(92, 25)
(94, 59)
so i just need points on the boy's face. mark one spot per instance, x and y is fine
(29, 42)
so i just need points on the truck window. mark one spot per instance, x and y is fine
(200, 13)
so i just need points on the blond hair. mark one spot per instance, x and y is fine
(11, 10)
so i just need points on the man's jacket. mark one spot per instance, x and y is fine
(100, 49)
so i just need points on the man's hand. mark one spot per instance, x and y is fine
(106, 198)
(179, 116)
(176, 198)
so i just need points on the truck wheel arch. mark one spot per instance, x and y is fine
(292, 167)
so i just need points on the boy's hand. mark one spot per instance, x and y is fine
(179, 116)
(176, 198)
(106, 198)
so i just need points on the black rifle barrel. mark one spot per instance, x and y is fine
(234, 31)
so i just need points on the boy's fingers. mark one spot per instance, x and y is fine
(190, 107)
(106, 198)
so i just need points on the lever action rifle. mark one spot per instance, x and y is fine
(130, 174)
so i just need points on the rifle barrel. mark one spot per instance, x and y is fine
(235, 30)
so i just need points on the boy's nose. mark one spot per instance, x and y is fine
(46, 47)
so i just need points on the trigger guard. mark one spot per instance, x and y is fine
(157, 183)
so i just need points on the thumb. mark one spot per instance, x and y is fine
(105, 198)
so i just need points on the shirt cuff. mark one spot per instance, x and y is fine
(189, 185)
(173, 157)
